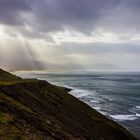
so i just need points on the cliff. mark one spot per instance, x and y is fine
(38, 110)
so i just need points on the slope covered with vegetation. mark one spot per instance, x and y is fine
(37, 110)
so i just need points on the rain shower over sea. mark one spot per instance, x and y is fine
(114, 94)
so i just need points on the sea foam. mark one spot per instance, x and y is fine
(138, 107)
(80, 93)
(93, 101)
(124, 117)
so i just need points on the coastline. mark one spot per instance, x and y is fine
(90, 93)
(120, 119)
(36, 108)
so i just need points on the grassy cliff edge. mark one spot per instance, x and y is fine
(37, 110)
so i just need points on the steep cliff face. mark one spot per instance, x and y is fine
(37, 110)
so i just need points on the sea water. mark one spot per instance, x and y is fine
(114, 94)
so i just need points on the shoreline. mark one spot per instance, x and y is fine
(120, 119)
(36, 108)
(81, 94)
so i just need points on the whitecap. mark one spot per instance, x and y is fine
(138, 107)
(92, 101)
(124, 117)
(97, 108)
(107, 98)
(62, 85)
(137, 114)
(79, 93)
(103, 112)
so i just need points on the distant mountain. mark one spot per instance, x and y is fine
(36, 110)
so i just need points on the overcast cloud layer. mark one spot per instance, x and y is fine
(62, 34)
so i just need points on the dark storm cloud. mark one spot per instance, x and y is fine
(85, 15)
(10, 11)
(124, 18)
(81, 15)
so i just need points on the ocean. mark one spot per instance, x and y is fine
(114, 94)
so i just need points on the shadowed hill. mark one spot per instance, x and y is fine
(37, 110)
(6, 76)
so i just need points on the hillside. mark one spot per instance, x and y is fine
(37, 110)
(5, 76)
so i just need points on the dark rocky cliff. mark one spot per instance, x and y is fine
(37, 110)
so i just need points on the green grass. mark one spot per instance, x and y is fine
(17, 82)
(14, 102)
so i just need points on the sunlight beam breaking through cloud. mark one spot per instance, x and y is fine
(81, 34)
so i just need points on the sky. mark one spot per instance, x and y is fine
(70, 35)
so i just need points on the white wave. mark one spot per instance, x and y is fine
(92, 101)
(137, 114)
(124, 117)
(103, 112)
(138, 107)
(97, 108)
(63, 85)
(66, 86)
(80, 93)
(106, 98)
